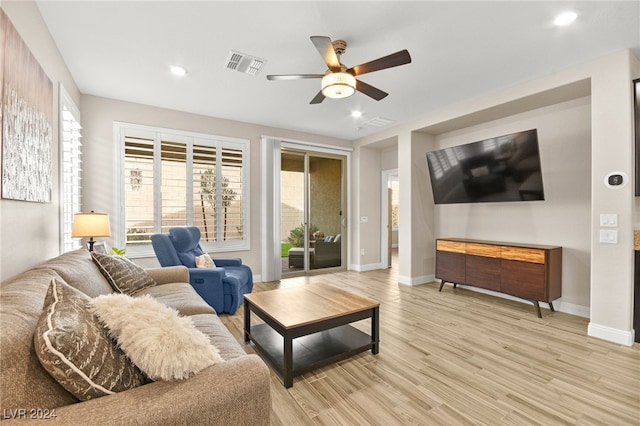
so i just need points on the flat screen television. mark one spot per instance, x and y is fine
(505, 168)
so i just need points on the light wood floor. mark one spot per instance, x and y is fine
(461, 358)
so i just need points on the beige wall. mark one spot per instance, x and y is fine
(365, 242)
(607, 82)
(563, 218)
(612, 150)
(29, 232)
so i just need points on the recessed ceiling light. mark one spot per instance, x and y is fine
(178, 70)
(565, 18)
(356, 114)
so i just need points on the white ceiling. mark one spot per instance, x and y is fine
(460, 50)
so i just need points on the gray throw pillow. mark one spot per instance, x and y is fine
(123, 275)
(76, 350)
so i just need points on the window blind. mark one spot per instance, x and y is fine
(70, 170)
(173, 178)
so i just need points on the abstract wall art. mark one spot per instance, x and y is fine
(26, 113)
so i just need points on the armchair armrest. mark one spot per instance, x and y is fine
(208, 284)
(228, 261)
(233, 392)
(170, 274)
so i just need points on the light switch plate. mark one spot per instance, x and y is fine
(609, 219)
(609, 236)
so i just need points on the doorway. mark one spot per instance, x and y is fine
(389, 216)
(312, 211)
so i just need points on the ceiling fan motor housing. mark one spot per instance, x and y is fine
(340, 46)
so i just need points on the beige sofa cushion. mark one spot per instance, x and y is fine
(219, 336)
(77, 270)
(179, 296)
(165, 345)
(76, 350)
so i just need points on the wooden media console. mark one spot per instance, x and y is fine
(532, 272)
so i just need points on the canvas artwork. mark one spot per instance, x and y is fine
(26, 114)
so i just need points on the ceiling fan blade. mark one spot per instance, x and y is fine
(319, 98)
(325, 48)
(293, 76)
(370, 91)
(395, 59)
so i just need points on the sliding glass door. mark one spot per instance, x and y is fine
(311, 211)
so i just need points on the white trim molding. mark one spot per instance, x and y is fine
(424, 279)
(558, 305)
(622, 337)
(367, 267)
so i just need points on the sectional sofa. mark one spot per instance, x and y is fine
(235, 391)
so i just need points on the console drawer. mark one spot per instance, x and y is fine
(451, 246)
(485, 250)
(523, 254)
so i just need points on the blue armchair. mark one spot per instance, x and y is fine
(222, 287)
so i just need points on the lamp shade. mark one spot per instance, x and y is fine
(86, 225)
(338, 85)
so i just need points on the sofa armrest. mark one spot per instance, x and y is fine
(231, 393)
(227, 261)
(170, 274)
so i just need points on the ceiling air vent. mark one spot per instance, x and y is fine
(244, 63)
(378, 122)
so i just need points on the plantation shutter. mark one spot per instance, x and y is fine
(174, 184)
(232, 222)
(70, 169)
(174, 178)
(139, 189)
(205, 178)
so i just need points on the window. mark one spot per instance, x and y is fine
(174, 178)
(70, 169)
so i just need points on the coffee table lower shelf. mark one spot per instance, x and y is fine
(311, 351)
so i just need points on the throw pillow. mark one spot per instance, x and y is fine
(205, 261)
(161, 343)
(76, 350)
(123, 275)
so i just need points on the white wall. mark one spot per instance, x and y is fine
(29, 232)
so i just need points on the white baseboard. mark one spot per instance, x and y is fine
(402, 279)
(257, 278)
(610, 334)
(570, 308)
(558, 305)
(368, 267)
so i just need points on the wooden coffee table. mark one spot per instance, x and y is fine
(307, 327)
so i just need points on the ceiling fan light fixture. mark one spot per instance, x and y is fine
(338, 85)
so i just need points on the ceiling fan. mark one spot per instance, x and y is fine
(340, 81)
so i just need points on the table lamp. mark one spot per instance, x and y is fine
(89, 225)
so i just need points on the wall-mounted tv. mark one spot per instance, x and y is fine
(505, 168)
